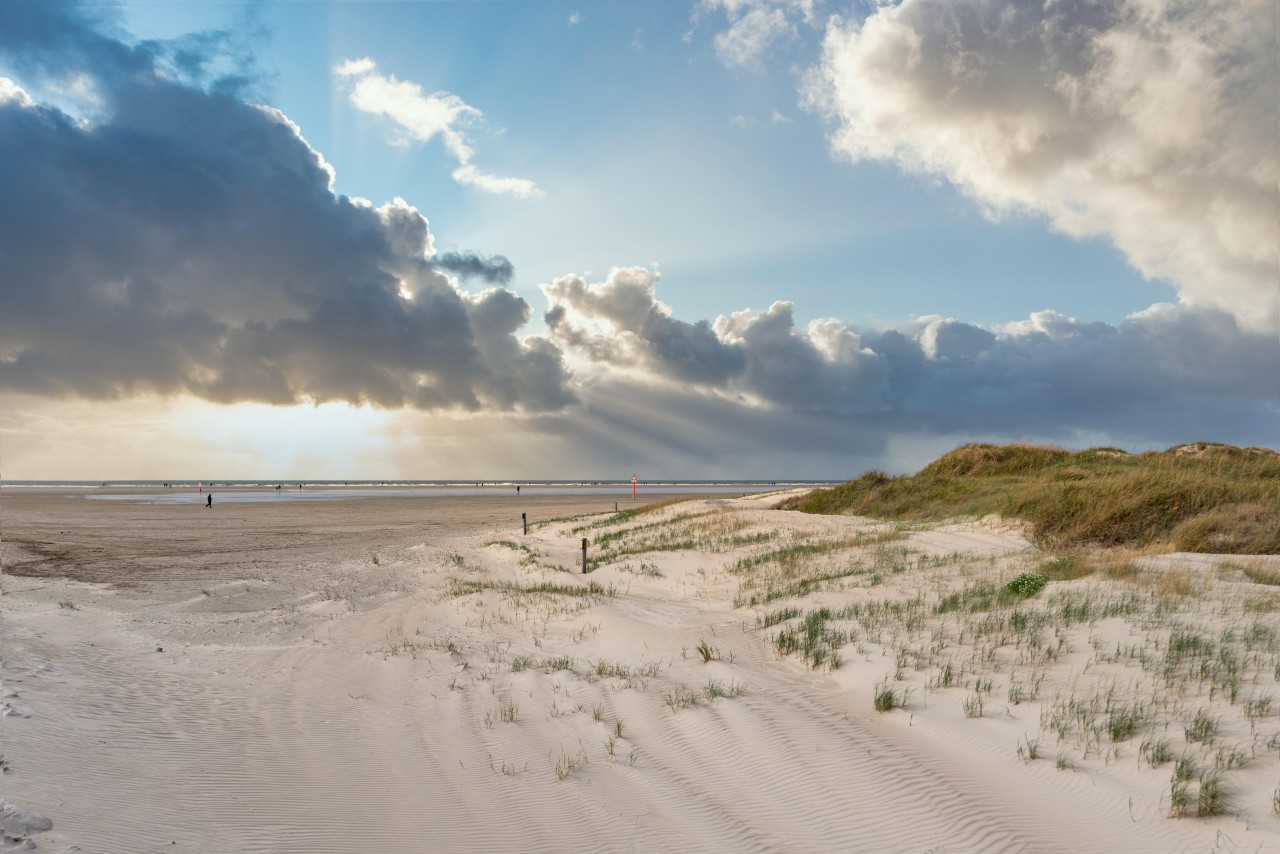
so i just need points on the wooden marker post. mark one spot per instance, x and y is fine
(524, 520)
(583, 543)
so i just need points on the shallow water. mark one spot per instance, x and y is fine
(189, 495)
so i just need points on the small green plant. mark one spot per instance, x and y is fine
(1027, 584)
(567, 764)
(1228, 758)
(973, 706)
(1124, 721)
(506, 713)
(681, 698)
(70, 606)
(884, 697)
(706, 651)
(1156, 751)
(1212, 797)
(1257, 707)
(714, 690)
(1029, 749)
(1203, 727)
(1179, 798)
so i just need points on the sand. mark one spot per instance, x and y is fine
(354, 676)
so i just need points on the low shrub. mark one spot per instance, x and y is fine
(1027, 584)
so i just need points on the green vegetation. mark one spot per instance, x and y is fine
(1027, 584)
(1203, 497)
(885, 697)
(591, 589)
(681, 698)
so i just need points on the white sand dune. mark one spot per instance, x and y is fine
(355, 676)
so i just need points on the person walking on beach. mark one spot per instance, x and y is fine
(209, 503)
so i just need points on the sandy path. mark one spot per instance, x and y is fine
(310, 699)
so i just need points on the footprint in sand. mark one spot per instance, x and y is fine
(8, 711)
(21, 824)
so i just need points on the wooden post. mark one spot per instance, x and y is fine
(524, 520)
(584, 555)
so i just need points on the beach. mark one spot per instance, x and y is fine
(418, 674)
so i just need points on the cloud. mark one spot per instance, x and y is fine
(1165, 374)
(424, 117)
(638, 330)
(1149, 122)
(183, 242)
(496, 270)
(755, 27)
(12, 93)
(574, 19)
(748, 37)
(186, 242)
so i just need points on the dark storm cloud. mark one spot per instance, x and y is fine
(496, 270)
(1167, 374)
(181, 240)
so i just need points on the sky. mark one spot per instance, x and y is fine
(542, 239)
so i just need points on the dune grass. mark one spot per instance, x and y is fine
(1200, 498)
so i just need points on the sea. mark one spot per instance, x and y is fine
(257, 491)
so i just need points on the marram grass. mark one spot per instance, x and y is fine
(1201, 498)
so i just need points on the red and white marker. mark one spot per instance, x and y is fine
(633, 486)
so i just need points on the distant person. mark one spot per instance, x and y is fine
(517, 490)
(209, 503)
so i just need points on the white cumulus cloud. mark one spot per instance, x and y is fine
(423, 117)
(754, 26)
(1148, 122)
(12, 92)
